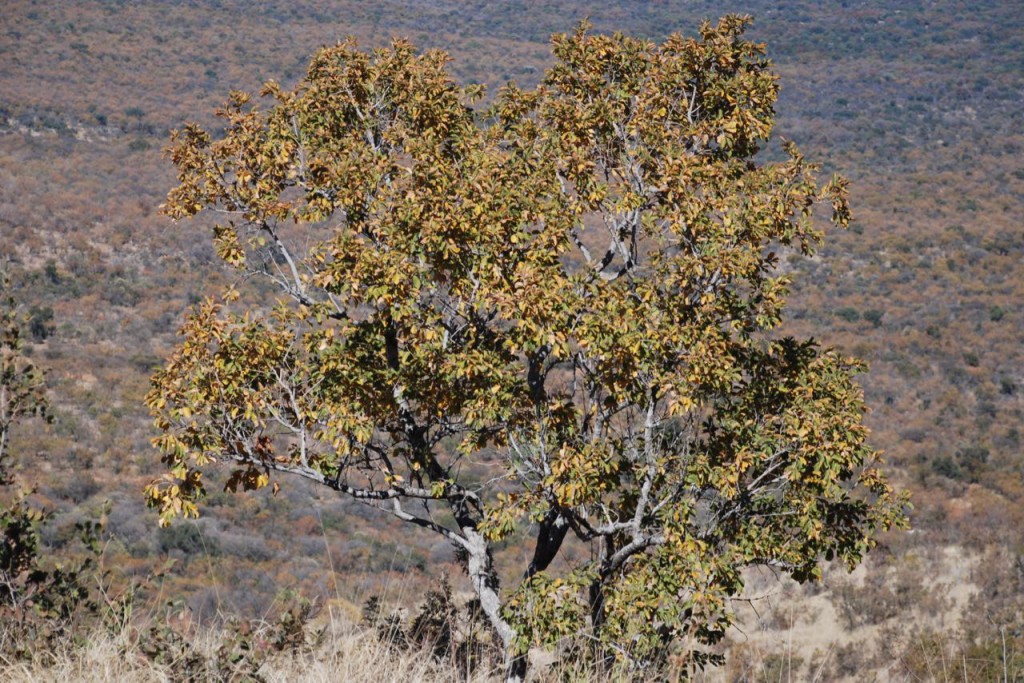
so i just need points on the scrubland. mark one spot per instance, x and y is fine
(919, 104)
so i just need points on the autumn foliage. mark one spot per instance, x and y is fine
(558, 313)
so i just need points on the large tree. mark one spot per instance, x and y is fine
(574, 291)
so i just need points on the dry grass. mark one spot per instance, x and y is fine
(353, 655)
(785, 633)
(343, 655)
(347, 653)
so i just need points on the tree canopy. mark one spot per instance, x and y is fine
(556, 314)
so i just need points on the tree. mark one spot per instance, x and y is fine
(38, 603)
(22, 387)
(558, 315)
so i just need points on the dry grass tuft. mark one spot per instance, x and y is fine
(344, 654)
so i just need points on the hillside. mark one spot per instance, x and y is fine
(918, 103)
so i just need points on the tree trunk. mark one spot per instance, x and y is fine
(485, 583)
(550, 535)
(603, 657)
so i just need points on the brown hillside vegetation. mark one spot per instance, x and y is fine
(919, 104)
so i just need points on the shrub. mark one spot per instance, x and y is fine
(848, 314)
